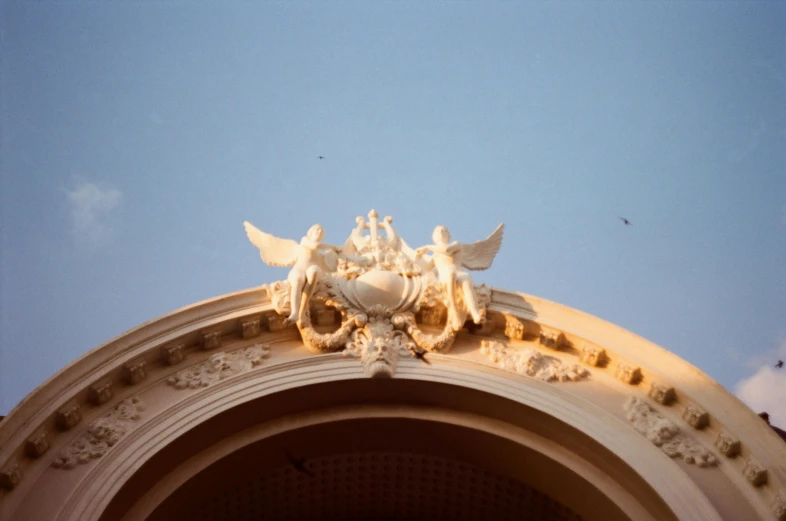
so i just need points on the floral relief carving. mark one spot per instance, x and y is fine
(218, 367)
(101, 434)
(666, 435)
(532, 363)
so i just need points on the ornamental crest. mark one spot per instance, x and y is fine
(378, 284)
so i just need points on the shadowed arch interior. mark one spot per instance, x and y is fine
(507, 470)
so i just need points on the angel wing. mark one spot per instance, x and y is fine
(424, 262)
(479, 255)
(348, 249)
(274, 251)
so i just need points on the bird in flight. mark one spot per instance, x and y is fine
(321, 157)
(299, 464)
(421, 355)
(625, 221)
(779, 364)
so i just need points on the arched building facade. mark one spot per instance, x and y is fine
(225, 410)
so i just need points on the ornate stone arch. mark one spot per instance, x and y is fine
(543, 406)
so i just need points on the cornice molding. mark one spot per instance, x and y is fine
(144, 357)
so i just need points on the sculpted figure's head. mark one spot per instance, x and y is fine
(379, 347)
(379, 359)
(316, 233)
(441, 235)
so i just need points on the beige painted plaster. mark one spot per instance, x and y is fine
(135, 364)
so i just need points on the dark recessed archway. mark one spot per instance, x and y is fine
(395, 467)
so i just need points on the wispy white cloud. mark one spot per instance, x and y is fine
(90, 206)
(765, 390)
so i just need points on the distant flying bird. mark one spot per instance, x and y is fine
(299, 464)
(421, 355)
(779, 364)
(625, 221)
(321, 157)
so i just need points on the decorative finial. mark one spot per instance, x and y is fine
(373, 226)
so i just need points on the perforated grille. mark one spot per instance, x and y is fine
(376, 486)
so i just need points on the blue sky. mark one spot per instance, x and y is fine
(138, 136)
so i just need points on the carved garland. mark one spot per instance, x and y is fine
(218, 367)
(532, 363)
(101, 434)
(666, 435)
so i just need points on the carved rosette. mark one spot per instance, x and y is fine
(101, 434)
(666, 435)
(218, 367)
(532, 363)
(378, 285)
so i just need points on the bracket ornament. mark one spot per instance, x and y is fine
(11, 475)
(755, 473)
(379, 286)
(728, 445)
(218, 367)
(666, 435)
(532, 363)
(101, 434)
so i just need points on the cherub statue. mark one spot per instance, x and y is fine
(307, 262)
(450, 257)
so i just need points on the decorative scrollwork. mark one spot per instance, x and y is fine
(666, 435)
(101, 434)
(219, 366)
(532, 363)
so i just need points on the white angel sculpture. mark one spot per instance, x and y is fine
(307, 262)
(450, 257)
